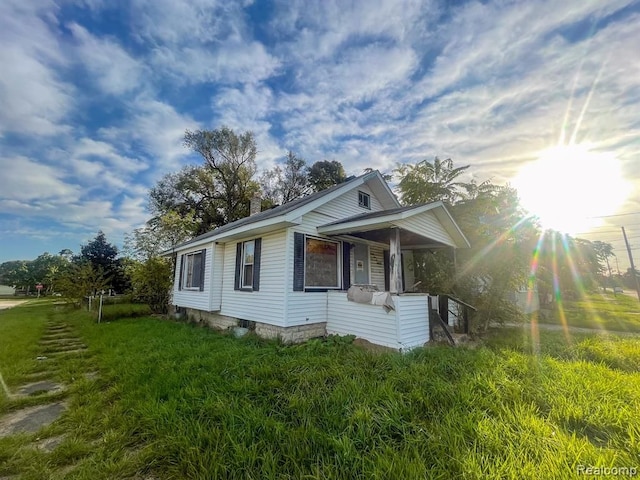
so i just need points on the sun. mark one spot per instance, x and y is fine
(567, 187)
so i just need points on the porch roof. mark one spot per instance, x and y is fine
(422, 226)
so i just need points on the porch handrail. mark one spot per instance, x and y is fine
(457, 300)
(444, 311)
(444, 326)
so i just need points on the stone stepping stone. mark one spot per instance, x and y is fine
(31, 419)
(37, 388)
(55, 341)
(48, 445)
(59, 328)
(52, 336)
(67, 352)
(63, 346)
(58, 338)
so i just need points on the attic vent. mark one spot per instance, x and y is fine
(364, 200)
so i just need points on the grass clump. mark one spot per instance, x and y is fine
(125, 310)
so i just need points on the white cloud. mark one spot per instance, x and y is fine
(24, 180)
(230, 62)
(33, 98)
(114, 70)
(319, 30)
(155, 128)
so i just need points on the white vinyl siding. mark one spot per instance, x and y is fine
(194, 298)
(216, 277)
(413, 312)
(404, 328)
(346, 205)
(370, 322)
(428, 226)
(267, 304)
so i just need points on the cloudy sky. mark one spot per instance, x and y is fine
(95, 96)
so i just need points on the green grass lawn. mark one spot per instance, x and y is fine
(619, 313)
(173, 400)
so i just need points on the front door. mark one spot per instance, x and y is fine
(361, 263)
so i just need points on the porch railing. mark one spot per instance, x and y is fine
(461, 314)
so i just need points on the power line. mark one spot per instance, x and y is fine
(616, 215)
(595, 232)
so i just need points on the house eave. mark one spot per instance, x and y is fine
(253, 229)
(394, 220)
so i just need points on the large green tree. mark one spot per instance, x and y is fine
(103, 257)
(199, 198)
(192, 195)
(488, 274)
(282, 184)
(427, 181)
(325, 173)
(230, 158)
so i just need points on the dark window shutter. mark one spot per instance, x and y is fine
(346, 265)
(385, 258)
(256, 264)
(236, 285)
(298, 262)
(181, 272)
(203, 264)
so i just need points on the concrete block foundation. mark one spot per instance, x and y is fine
(295, 334)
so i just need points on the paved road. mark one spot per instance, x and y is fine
(10, 303)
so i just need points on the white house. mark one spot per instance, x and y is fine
(286, 271)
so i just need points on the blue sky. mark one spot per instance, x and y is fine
(95, 95)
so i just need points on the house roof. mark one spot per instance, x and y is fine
(287, 208)
(402, 217)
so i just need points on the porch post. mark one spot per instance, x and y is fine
(395, 262)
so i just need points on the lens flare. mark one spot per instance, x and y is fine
(569, 186)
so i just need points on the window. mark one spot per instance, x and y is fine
(364, 200)
(321, 263)
(247, 275)
(193, 270)
(248, 250)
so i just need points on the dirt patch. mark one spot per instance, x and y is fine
(31, 419)
(372, 347)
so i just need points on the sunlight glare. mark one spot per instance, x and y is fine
(569, 185)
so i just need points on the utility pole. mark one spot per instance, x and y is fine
(633, 268)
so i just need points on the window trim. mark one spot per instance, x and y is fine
(364, 195)
(243, 286)
(185, 270)
(338, 265)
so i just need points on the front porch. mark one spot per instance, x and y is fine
(404, 328)
(393, 235)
